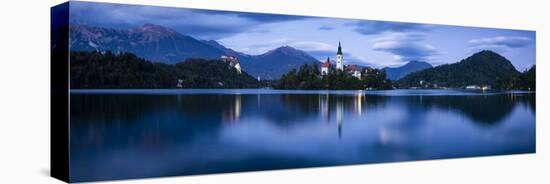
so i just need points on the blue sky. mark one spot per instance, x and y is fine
(366, 42)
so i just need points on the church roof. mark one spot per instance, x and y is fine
(353, 68)
(339, 49)
(326, 63)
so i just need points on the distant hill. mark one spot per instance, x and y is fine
(160, 44)
(482, 68)
(96, 70)
(225, 50)
(400, 72)
(274, 63)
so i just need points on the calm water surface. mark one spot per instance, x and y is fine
(120, 134)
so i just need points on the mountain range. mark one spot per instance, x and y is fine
(400, 72)
(482, 68)
(160, 44)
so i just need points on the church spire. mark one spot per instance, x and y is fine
(339, 49)
(339, 58)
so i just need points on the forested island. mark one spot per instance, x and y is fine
(309, 77)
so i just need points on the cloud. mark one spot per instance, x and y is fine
(376, 27)
(355, 59)
(312, 46)
(405, 47)
(203, 24)
(264, 17)
(326, 28)
(499, 43)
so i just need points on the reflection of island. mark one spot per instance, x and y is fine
(339, 116)
(95, 116)
(324, 106)
(99, 121)
(482, 109)
(327, 105)
(344, 103)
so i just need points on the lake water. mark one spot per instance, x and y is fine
(121, 134)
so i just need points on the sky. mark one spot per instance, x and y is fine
(366, 42)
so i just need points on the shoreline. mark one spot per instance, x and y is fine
(260, 91)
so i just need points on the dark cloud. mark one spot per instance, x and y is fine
(508, 41)
(405, 47)
(408, 51)
(376, 27)
(499, 43)
(267, 18)
(352, 59)
(326, 28)
(203, 24)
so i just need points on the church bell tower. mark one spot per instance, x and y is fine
(339, 58)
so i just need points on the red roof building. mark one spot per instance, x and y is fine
(326, 63)
(325, 67)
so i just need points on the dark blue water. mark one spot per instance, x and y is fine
(120, 134)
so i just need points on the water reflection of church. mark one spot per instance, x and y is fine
(340, 103)
(332, 108)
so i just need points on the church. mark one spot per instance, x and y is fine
(327, 65)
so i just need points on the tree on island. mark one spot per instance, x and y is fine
(529, 79)
(484, 68)
(106, 70)
(525, 81)
(309, 77)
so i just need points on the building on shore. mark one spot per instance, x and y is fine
(325, 67)
(180, 83)
(354, 70)
(233, 62)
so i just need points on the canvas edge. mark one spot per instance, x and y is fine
(59, 92)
